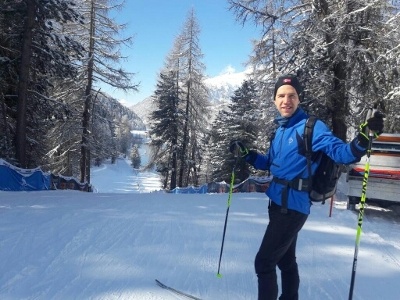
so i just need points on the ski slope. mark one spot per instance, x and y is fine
(114, 243)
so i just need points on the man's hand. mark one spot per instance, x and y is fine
(373, 126)
(237, 148)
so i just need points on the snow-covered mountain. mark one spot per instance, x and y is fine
(143, 109)
(221, 88)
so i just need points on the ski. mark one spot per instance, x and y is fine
(162, 285)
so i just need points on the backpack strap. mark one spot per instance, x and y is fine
(271, 139)
(307, 137)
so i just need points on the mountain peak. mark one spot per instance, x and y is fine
(223, 86)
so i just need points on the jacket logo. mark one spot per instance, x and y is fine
(290, 140)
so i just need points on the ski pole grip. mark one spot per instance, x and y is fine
(371, 113)
(236, 153)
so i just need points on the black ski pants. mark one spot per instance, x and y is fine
(278, 248)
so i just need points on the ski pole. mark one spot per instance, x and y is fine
(219, 275)
(361, 214)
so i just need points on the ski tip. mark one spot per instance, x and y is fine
(219, 275)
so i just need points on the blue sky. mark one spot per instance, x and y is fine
(155, 24)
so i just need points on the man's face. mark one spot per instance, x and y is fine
(286, 100)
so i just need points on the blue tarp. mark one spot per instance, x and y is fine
(16, 179)
(190, 190)
(251, 184)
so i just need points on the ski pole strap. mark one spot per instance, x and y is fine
(298, 184)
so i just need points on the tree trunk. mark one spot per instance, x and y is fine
(339, 101)
(174, 164)
(165, 185)
(4, 109)
(23, 83)
(195, 175)
(85, 149)
(183, 165)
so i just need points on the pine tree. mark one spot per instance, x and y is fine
(196, 102)
(239, 123)
(135, 157)
(165, 126)
(35, 50)
(103, 48)
(220, 159)
(185, 72)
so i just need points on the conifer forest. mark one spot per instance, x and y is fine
(55, 55)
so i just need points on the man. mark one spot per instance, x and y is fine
(289, 208)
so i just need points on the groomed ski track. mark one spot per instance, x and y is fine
(75, 245)
(72, 245)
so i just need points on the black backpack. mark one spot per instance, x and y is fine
(324, 182)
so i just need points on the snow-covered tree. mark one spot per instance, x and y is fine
(344, 52)
(240, 122)
(135, 157)
(33, 51)
(166, 122)
(195, 101)
(220, 162)
(103, 45)
(182, 84)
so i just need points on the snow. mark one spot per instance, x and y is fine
(114, 243)
(222, 87)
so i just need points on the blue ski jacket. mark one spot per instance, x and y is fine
(285, 162)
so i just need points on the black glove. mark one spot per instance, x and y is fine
(238, 149)
(375, 125)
